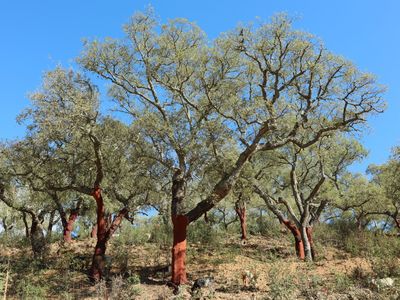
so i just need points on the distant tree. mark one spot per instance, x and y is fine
(357, 198)
(387, 177)
(23, 199)
(298, 191)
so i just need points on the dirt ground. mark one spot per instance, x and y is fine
(274, 270)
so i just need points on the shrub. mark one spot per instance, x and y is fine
(29, 290)
(263, 225)
(342, 282)
(386, 267)
(205, 233)
(282, 285)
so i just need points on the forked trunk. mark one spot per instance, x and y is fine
(98, 261)
(297, 238)
(180, 224)
(104, 233)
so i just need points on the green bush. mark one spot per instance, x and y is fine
(342, 282)
(161, 233)
(263, 225)
(204, 233)
(365, 243)
(386, 266)
(29, 290)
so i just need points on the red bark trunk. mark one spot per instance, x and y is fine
(241, 212)
(297, 237)
(310, 239)
(98, 261)
(103, 235)
(180, 224)
(69, 226)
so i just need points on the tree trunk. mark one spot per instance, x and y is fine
(309, 231)
(397, 222)
(240, 208)
(359, 222)
(50, 225)
(297, 238)
(180, 224)
(93, 232)
(103, 235)
(306, 244)
(69, 226)
(38, 241)
(206, 220)
(27, 231)
(98, 261)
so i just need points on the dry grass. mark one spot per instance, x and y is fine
(277, 272)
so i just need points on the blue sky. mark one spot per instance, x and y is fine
(38, 35)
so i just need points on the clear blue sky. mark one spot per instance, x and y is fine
(38, 35)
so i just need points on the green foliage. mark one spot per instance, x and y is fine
(263, 225)
(342, 282)
(27, 289)
(372, 245)
(161, 233)
(386, 266)
(205, 234)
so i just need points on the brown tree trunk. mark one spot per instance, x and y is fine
(359, 222)
(240, 208)
(309, 231)
(38, 241)
(180, 224)
(103, 235)
(50, 226)
(98, 261)
(206, 220)
(397, 221)
(297, 238)
(69, 226)
(306, 244)
(27, 231)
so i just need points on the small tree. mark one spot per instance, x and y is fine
(297, 192)
(358, 197)
(386, 176)
(22, 199)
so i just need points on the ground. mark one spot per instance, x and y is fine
(143, 273)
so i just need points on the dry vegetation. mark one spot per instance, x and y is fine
(139, 270)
